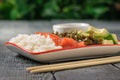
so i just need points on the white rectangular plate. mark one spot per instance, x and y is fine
(66, 54)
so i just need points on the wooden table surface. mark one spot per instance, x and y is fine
(12, 66)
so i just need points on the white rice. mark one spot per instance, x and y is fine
(35, 42)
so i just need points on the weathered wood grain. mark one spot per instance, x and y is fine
(117, 65)
(103, 72)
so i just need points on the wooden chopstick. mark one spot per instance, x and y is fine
(75, 64)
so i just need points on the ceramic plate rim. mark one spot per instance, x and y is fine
(55, 50)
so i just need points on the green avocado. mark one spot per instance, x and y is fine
(98, 32)
(112, 37)
(103, 34)
(115, 39)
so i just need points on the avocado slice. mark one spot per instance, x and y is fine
(112, 37)
(98, 32)
(107, 42)
(115, 39)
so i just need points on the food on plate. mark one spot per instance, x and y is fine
(64, 41)
(35, 42)
(68, 42)
(91, 37)
(43, 41)
(98, 32)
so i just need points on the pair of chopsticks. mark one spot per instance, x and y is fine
(72, 65)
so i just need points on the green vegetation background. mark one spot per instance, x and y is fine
(59, 9)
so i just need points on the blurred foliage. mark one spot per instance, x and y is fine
(59, 9)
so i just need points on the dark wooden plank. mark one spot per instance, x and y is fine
(104, 72)
(117, 65)
(12, 67)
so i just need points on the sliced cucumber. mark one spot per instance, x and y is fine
(107, 42)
